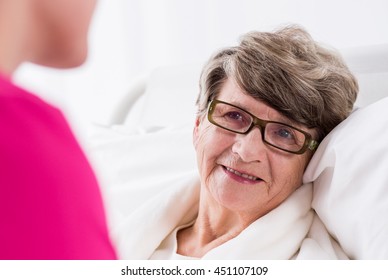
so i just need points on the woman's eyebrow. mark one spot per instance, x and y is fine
(278, 118)
(281, 118)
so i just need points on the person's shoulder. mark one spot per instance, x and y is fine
(15, 99)
(28, 122)
(20, 108)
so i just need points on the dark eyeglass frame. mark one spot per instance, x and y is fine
(309, 142)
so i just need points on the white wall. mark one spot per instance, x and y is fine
(130, 37)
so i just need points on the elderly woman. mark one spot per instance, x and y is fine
(263, 108)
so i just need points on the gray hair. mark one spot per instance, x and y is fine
(288, 71)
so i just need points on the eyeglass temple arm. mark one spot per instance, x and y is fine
(313, 145)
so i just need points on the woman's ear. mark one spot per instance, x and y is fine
(196, 131)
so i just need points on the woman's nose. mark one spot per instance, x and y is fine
(250, 147)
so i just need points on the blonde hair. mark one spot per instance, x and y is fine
(288, 71)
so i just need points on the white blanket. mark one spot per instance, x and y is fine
(152, 187)
(292, 230)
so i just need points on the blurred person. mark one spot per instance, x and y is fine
(50, 202)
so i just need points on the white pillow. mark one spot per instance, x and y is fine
(169, 98)
(350, 175)
(131, 166)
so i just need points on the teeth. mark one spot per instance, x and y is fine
(253, 178)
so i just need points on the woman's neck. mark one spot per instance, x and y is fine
(214, 226)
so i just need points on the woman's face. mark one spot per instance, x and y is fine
(226, 158)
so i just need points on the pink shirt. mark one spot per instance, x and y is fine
(50, 203)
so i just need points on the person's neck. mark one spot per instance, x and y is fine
(213, 227)
(7, 68)
(13, 31)
(8, 58)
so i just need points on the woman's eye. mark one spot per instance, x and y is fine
(233, 115)
(285, 133)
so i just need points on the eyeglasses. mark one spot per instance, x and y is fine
(276, 134)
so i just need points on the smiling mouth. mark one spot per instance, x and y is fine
(243, 175)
